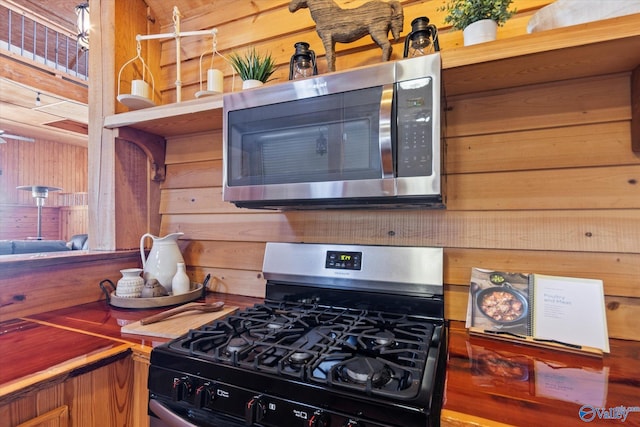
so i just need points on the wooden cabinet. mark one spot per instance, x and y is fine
(57, 417)
(100, 397)
(140, 417)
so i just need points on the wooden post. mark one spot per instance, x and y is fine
(118, 172)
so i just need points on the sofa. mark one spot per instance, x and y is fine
(77, 242)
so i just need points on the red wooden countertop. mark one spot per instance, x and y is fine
(488, 382)
(102, 319)
(48, 347)
(519, 385)
(33, 353)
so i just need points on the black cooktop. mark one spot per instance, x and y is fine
(369, 352)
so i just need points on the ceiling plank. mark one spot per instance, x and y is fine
(45, 80)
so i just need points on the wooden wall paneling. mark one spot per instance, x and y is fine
(622, 317)
(230, 254)
(196, 174)
(194, 147)
(582, 230)
(569, 209)
(600, 188)
(26, 292)
(41, 163)
(196, 200)
(577, 102)
(599, 144)
(136, 193)
(20, 222)
(618, 271)
(229, 281)
(580, 188)
(621, 312)
(301, 27)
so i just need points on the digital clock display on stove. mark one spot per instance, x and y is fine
(344, 260)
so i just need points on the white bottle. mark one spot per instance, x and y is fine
(180, 284)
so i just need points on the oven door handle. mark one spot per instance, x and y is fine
(386, 152)
(166, 416)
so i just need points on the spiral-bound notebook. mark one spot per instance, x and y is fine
(565, 311)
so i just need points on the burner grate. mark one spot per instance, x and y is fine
(320, 345)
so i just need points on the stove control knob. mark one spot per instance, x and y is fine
(319, 419)
(182, 388)
(205, 395)
(254, 410)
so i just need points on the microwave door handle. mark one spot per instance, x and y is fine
(386, 154)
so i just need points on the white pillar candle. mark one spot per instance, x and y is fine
(215, 81)
(140, 88)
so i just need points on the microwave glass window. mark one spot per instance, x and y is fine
(327, 138)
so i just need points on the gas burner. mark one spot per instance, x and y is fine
(361, 370)
(300, 357)
(278, 322)
(236, 344)
(384, 338)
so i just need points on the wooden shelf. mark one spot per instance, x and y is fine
(591, 49)
(182, 118)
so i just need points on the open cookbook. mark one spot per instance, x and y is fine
(539, 309)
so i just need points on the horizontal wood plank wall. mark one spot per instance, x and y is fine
(41, 162)
(539, 179)
(21, 222)
(270, 27)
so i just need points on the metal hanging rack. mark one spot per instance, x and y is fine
(212, 87)
(137, 100)
(177, 35)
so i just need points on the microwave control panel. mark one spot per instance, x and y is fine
(414, 106)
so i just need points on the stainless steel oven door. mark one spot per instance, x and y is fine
(163, 416)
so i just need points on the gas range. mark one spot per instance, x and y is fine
(347, 336)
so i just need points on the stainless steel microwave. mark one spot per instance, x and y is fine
(367, 137)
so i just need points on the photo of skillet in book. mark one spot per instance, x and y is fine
(562, 311)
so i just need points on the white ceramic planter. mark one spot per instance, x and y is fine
(248, 84)
(481, 31)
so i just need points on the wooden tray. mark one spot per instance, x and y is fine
(117, 301)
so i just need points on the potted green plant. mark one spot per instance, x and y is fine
(478, 19)
(254, 68)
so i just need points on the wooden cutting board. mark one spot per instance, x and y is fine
(177, 325)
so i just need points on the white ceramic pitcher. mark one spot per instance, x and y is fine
(161, 264)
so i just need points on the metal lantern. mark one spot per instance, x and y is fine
(422, 40)
(303, 62)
